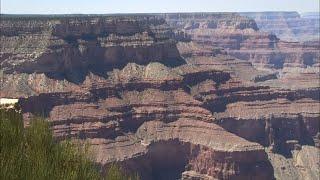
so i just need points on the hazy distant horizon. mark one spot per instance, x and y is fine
(160, 13)
(41, 7)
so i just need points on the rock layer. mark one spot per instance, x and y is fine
(70, 47)
(288, 26)
(240, 37)
(189, 101)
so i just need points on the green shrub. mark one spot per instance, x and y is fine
(32, 153)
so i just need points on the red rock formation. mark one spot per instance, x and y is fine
(123, 88)
(240, 37)
(283, 127)
(70, 47)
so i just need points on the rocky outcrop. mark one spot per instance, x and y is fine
(278, 123)
(283, 105)
(162, 150)
(133, 125)
(70, 47)
(191, 21)
(240, 37)
(204, 154)
(288, 26)
(207, 100)
(304, 164)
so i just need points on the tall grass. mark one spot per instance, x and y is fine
(32, 153)
(114, 173)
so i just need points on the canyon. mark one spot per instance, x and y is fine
(172, 96)
(288, 26)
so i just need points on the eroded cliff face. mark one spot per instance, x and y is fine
(281, 101)
(240, 37)
(70, 47)
(141, 113)
(288, 26)
(164, 102)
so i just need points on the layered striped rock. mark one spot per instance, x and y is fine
(70, 47)
(157, 114)
(289, 26)
(278, 109)
(241, 38)
(119, 124)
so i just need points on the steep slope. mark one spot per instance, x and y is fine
(278, 108)
(166, 109)
(288, 26)
(119, 84)
(240, 37)
(70, 48)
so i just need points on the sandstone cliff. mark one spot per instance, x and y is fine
(240, 37)
(288, 26)
(168, 102)
(70, 47)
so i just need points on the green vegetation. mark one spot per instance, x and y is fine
(32, 153)
(114, 173)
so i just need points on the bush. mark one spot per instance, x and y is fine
(32, 153)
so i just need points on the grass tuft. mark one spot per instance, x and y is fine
(32, 153)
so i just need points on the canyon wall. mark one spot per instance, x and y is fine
(191, 96)
(71, 47)
(241, 38)
(288, 26)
